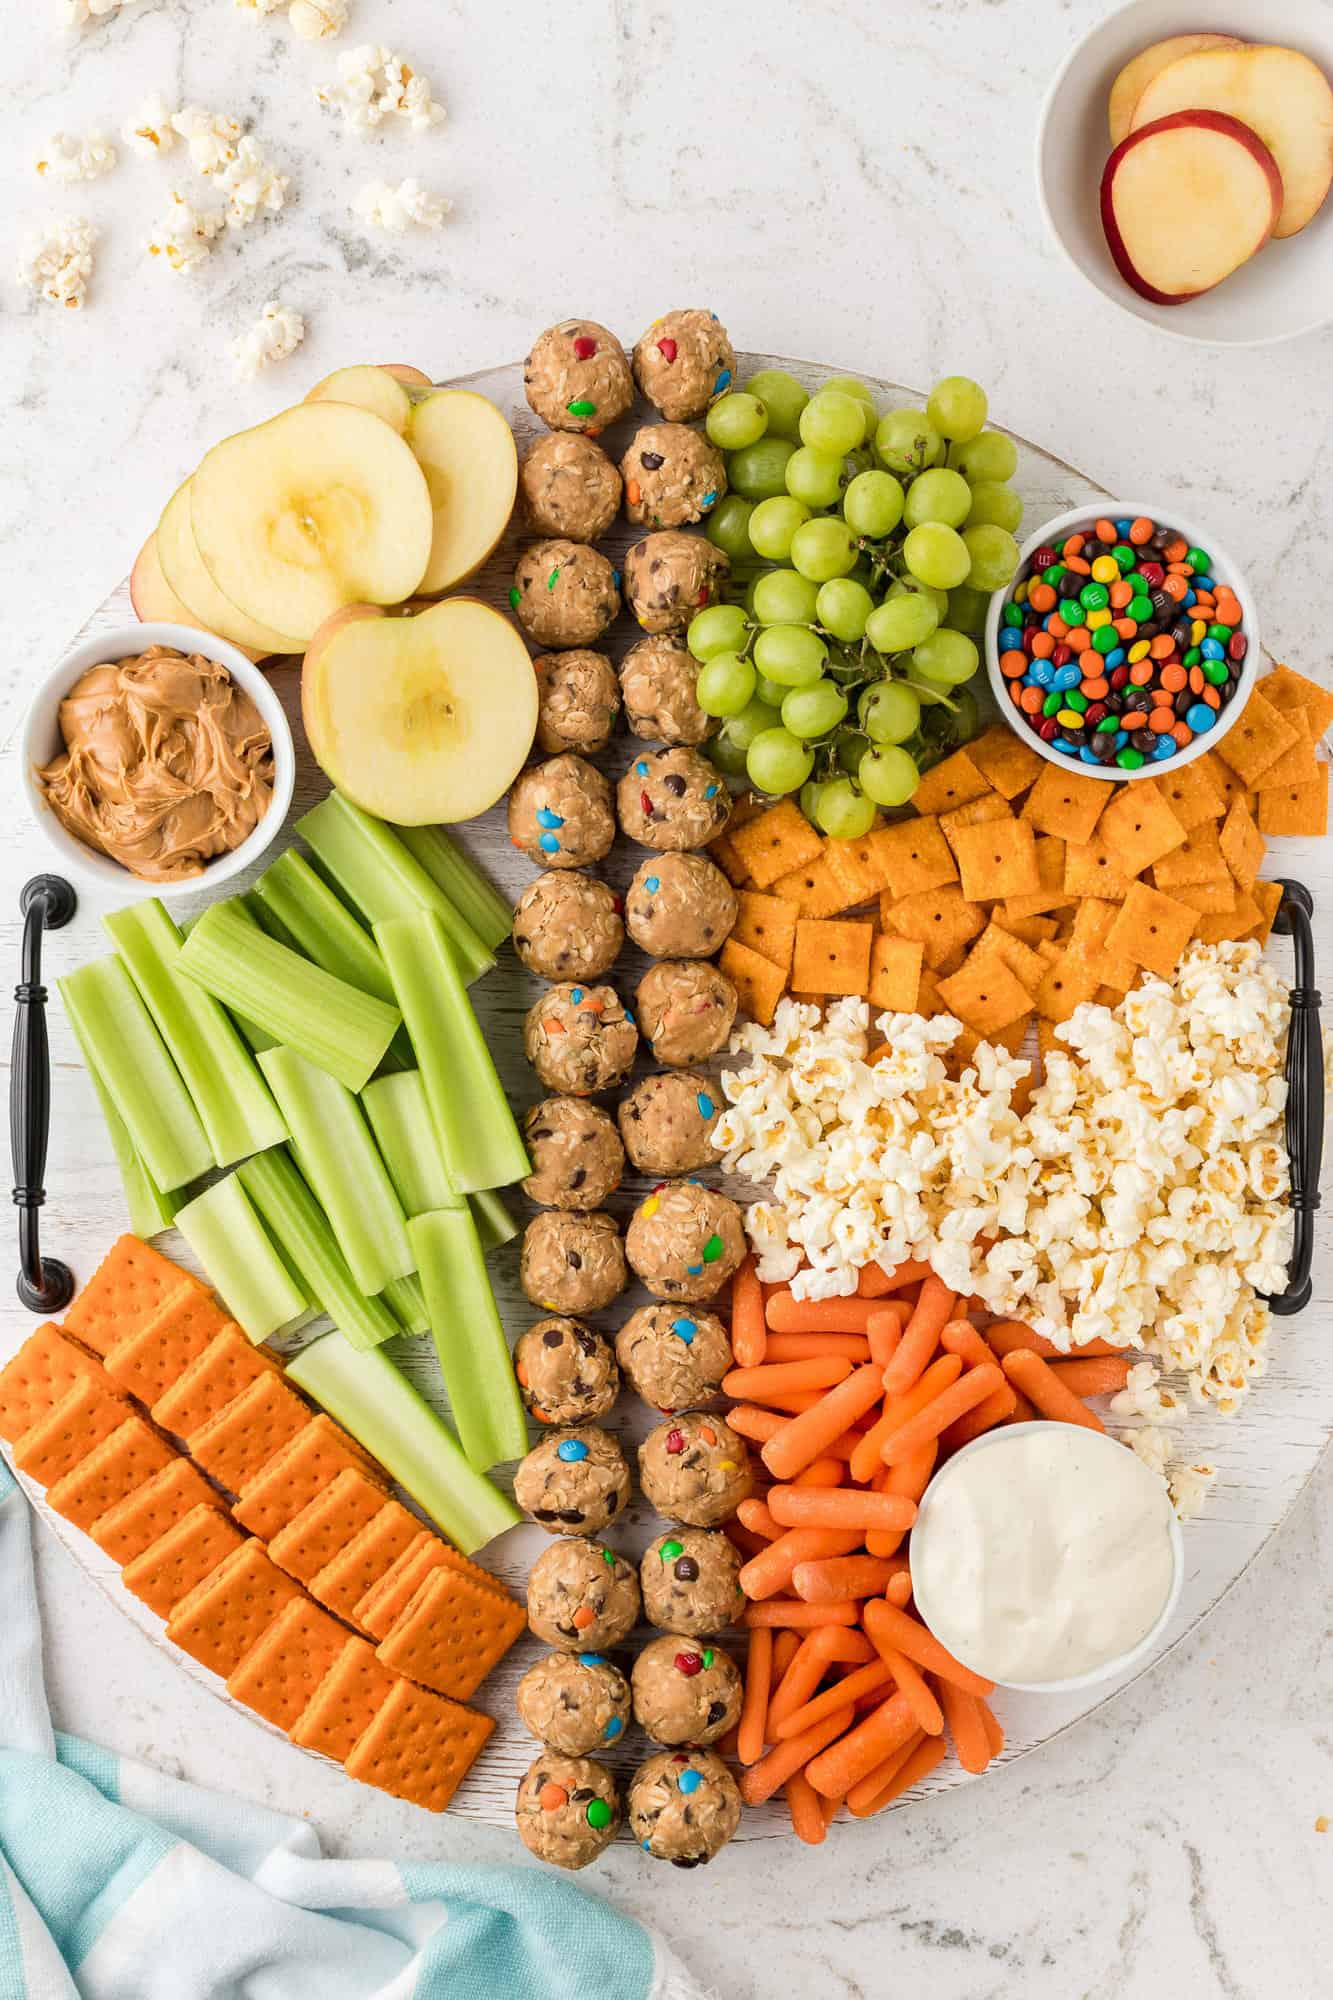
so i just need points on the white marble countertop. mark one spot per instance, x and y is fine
(843, 181)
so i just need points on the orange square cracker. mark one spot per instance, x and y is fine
(64, 1436)
(132, 1282)
(950, 784)
(831, 958)
(243, 1436)
(1065, 805)
(187, 1552)
(419, 1746)
(280, 1674)
(224, 1616)
(325, 1525)
(1296, 809)
(997, 860)
(895, 974)
(125, 1460)
(1152, 929)
(345, 1703)
(135, 1522)
(774, 842)
(1005, 760)
(45, 1368)
(1256, 739)
(148, 1360)
(451, 1634)
(759, 982)
(306, 1467)
(1139, 827)
(766, 924)
(228, 1363)
(360, 1563)
(914, 856)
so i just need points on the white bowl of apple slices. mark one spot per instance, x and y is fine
(1184, 164)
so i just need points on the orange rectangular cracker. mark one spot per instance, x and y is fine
(306, 1466)
(124, 1461)
(996, 860)
(228, 1364)
(1228, 784)
(950, 784)
(1026, 964)
(986, 996)
(1256, 739)
(1052, 894)
(857, 865)
(344, 1580)
(1238, 922)
(1197, 859)
(1210, 899)
(1268, 895)
(132, 1282)
(1069, 981)
(895, 974)
(1139, 827)
(831, 958)
(1032, 930)
(1192, 792)
(940, 919)
(775, 842)
(1065, 805)
(1288, 690)
(1092, 921)
(224, 1616)
(181, 1557)
(1298, 765)
(325, 1525)
(1091, 871)
(1005, 760)
(766, 924)
(148, 1360)
(135, 1522)
(914, 856)
(1242, 844)
(721, 850)
(1296, 809)
(233, 1445)
(45, 1368)
(418, 1747)
(759, 982)
(1152, 929)
(280, 1674)
(379, 1610)
(345, 1703)
(64, 1435)
(451, 1634)
(813, 888)
(975, 813)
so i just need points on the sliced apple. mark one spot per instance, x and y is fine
(1186, 201)
(1137, 74)
(382, 391)
(193, 585)
(155, 601)
(403, 371)
(466, 450)
(1280, 94)
(420, 719)
(322, 506)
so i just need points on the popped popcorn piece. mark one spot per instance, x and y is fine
(1143, 1397)
(277, 332)
(56, 261)
(250, 183)
(1189, 1486)
(75, 14)
(210, 135)
(185, 234)
(1154, 1447)
(317, 20)
(397, 208)
(375, 84)
(68, 159)
(150, 131)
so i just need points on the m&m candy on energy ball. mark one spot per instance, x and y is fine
(1118, 644)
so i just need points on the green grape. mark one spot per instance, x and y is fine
(957, 407)
(779, 762)
(889, 712)
(949, 725)
(814, 710)
(781, 597)
(725, 754)
(993, 554)
(783, 398)
(842, 608)
(757, 471)
(901, 622)
(947, 657)
(810, 791)
(888, 776)
(753, 719)
(906, 442)
(720, 628)
(791, 655)
(833, 422)
(938, 495)
(772, 692)
(823, 548)
(912, 586)
(843, 813)
(852, 385)
(735, 421)
(995, 506)
(938, 555)
(814, 477)
(852, 747)
(967, 610)
(773, 524)
(873, 504)
(992, 456)
(726, 684)
(728, 527)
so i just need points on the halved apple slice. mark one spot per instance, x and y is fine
(466, 450)
(1185, 201)
(381, 390)
(193, 585)
(420, 719)
(155, 601)
(1135, 77)
(322, 506)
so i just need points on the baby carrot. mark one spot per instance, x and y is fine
(757, 1517)
(812, 1659)
(822, 1472)
(960, 1337)
(997, 1409)
(772, 1772)
(843, 1315)
(886, 1626)
(970, 1742)
(797, 1507)
(770, 1571)
(910, 1273)
(873, 1282)
(1024, 1412)
(994, 1733)
(898, 1410)
(1100, 1377)
(953, 1402)
(813, 1346)
(754, 1702)
(799, 1616)
(869, 1788)
(915, 1690)
(862, 1680)
(918, 1764)
(909, 1479)
(900, 1588)
(756, 1424)
(787, 1377)
(749, 1329)
(743, 1538)
(836, 1769)
(1039, 1381)
(838, 1578)
(884, 1329)
(1007, 1334)
(809, 1435)
(786, 1645)
(920, 1336)
(806, 1808)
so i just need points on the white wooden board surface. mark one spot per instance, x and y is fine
(1264, 1456)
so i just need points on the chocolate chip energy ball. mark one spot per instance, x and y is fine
(582, 1595)
(686, 1009)
(568, 1810)
(576, 1153)
(683, 361)
(672, 476)
(667, 1123)
(680, 906)
(672, 800)
(572, 1263)
(567, 1374)
(564, 593)
(691, 1581)
(657, 683)
(568, 925)
(684, 1692)
(685, 1240)
(574, 1483)
(577, 378)
(694, 1468)
(578, 699)
(673, 1356)
(668, 577)
(579, 1039)
(574, 1702)
(569, 487)
(560, 813)
(683, 1806)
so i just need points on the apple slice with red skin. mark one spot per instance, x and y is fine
(1138, 73)
(1186, 201)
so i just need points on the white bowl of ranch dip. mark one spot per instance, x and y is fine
(1047, 1557)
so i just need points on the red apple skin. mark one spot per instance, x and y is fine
(1211, 121)
(402, 371)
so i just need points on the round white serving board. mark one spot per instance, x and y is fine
(1264, 1456)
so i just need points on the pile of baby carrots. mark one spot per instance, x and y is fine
(853, 1403)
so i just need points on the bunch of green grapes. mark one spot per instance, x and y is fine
(868, 547)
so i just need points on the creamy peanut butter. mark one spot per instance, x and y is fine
(167, 763)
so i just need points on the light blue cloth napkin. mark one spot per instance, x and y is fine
(117, 1883)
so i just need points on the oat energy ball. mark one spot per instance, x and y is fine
(569, 487)
(691, 1581)
(672, 475)
(582, 1595)
(568, 1810)
(680, 906)
(574, 1483)
(685, 1240)
(572, 1263)
(564, 593)
(672, 800)
(674, 1356)
(567, 1374)
(568, 925)
(683, 361)
(578, 697)
(576, 1153)
(685, 1009)
(574, 1702)
(683, 1806)
(577, 378)
(668, 577)
(657, 683)
(694, 1468)
(560, 813)
(667, 1123)
(684, 1692)
(579, 1039)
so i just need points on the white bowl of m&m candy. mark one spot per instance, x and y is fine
(1127, 640)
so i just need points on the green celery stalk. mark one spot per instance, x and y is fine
(400, 1119)
(339, 1159)
(324, 1019)
(407, 1302)
(472, 894)
(495, 1225)
(320, 925)
(374, 870)
(369, 1397)
(151, 1211)
(113, 1024)
(231, 1243)
(258, 1038)
(480, 1141)
(469, 1339)
(301, 1231)
(229, 1094)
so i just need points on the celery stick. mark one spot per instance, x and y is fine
(469, 1339)
(258, 1038)
(495, 1225)
(339, 1159)
(300, 1229)
(320, 925)
(144, 1084)
(480, 1141)
(407, 1302)
(400, 1118)
(324, 1019)
(231, 1243)
(374, 870)
(232, 1100)
(457, 874)
(151, 1211)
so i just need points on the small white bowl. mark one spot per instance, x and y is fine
(1071, 523)
(1283, 292)
(42, 741)
(1134, 1655)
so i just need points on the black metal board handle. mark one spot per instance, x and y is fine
(1305, 1095)
(45, 1285)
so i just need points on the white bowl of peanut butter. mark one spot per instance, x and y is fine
(158, 760)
